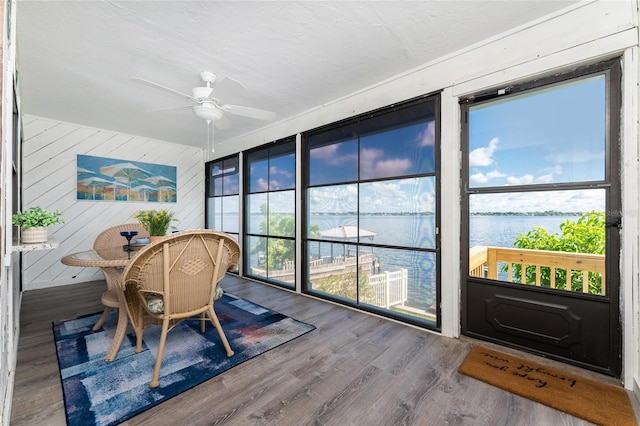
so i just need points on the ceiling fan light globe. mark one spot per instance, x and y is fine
(208, 113)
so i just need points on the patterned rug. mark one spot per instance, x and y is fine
(100, 393)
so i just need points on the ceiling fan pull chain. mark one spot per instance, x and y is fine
(210, 135)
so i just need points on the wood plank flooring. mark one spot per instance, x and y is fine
(354, 369)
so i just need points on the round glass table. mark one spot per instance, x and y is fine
(111, 261)
(101, 258)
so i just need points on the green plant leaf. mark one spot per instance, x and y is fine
(36, 217)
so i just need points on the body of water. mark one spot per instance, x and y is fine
(419, 231)
(414, 231)
(501, 231)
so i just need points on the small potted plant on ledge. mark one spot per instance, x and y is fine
(33, 224)
(156, 222)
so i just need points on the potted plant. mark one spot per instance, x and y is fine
(156, 222)
(33, 224)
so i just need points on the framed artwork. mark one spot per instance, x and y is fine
(109, 179)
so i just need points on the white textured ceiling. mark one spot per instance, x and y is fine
(76, 58)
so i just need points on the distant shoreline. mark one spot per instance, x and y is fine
(545, 213)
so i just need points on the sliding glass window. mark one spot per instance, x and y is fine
(270, 213)
(371, 220)
(223, 196)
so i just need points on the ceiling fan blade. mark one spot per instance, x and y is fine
(244, 111)
(161, 87)
(228, 88)
(223, 123)
(169, 108)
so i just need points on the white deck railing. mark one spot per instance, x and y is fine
(385, 289)
(487, 262)
(388, 289)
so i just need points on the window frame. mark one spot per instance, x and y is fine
(208, 196)
(435, 98)
(277, 149)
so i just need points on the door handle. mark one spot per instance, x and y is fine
(614, 222)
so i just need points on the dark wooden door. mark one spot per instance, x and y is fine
(542, 202)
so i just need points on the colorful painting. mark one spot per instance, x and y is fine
(109, 179)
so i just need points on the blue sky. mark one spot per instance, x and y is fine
(277, 173)
(555, 135)
(402, 151)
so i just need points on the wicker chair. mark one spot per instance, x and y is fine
(175, 278)
(107, 239)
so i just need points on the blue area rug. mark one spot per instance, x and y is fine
(100, 393)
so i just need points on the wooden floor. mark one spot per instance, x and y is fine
(354, 369)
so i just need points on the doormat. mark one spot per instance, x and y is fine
(595, 402)
(100, 393)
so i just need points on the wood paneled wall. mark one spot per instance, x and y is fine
(50, 150)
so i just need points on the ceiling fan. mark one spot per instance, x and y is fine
(210, 108)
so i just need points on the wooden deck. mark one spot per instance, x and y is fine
(354, 369)
(486, 262)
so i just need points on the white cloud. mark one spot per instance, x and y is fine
(478, 178)
(335, 199)
(495, 174)
(522, 180)
(428, 136)
(545, 178)
(404, 195)
(282, 172)
(538, 201)
(482, 157)
(262, 185)
(401, 195)
(231, 184)
(329, 154)
(282, 202)
(372, 166)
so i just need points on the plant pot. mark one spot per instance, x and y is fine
(34, 235)
(154, 238)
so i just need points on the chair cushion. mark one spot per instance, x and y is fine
(218, 294)
(155, 301)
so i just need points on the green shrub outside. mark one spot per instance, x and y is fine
(586, 235)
